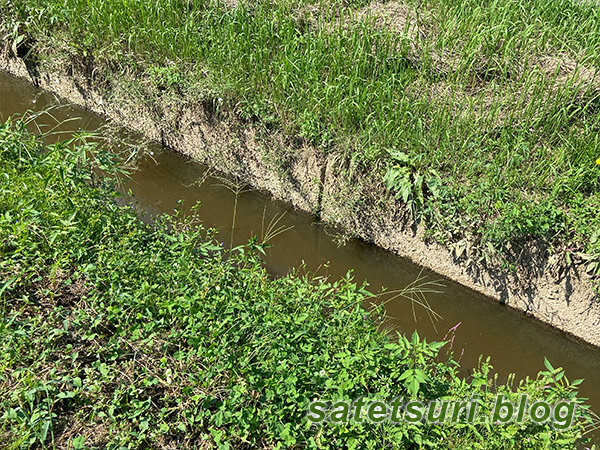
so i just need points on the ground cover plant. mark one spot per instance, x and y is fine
(119, 334)
(496, 100)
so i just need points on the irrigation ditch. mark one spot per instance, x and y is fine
(329, 186)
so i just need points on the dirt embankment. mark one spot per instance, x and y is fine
(327, 185)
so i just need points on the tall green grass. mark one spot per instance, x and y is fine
(500, 97)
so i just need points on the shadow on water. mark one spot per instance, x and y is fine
(516, 343)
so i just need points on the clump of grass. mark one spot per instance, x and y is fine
(119, 334)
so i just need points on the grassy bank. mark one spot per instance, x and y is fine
(485, 114)
(116, 334)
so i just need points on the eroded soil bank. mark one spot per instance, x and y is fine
(327, 185)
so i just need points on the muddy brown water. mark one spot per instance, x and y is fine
(516, 343)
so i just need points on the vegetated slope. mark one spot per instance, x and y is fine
(117, 334)
(485, 113)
